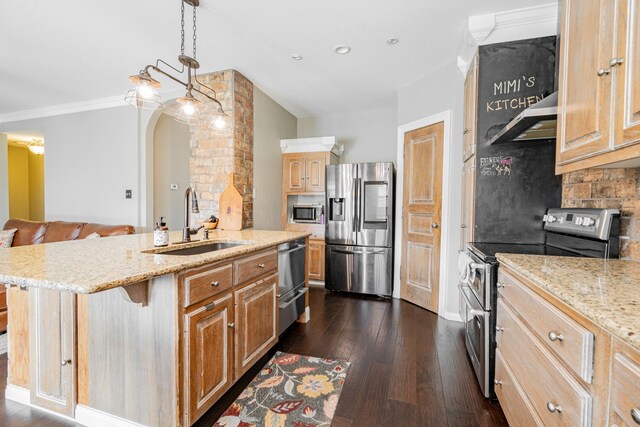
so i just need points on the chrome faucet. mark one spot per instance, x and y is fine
(187, 231)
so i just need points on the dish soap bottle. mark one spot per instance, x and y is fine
(161, 233)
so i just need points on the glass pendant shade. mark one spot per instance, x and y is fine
(189, 111)
(145, 93)
(219, 121)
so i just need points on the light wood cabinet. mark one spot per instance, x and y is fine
(468, 201)
(294, 173)
(552, 364)
(599, 98)
(256, 322)
(304, 172)
(208, 354)
(52, 352)
(624, 404)
(315, 254)
(470, 111)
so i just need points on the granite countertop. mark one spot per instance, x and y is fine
(93, 265)
(607, 292)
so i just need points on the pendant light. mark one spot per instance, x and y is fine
(145, 92)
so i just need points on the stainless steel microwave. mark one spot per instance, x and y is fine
(311, 214)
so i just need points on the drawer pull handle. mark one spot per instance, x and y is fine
(231, 325)
(210, 306)
(555, 337)
(635, 414)
(552, 407)
(261, 265)
(65, 362)
(215, 283)
(497, 382)
(499, 329)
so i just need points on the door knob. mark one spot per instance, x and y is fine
(602, 71)
(261, 265)
(215, 284)
(66, 362)
(231, 325)
(554, 407)
(435, 225)
(616, 61)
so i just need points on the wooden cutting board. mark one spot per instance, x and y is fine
(230, 207)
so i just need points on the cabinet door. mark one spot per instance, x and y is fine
(316, 259)
(256, 322)
(294, 173)
(470, 109)
(52, 349)
(468, 200)
(315, 171)
(208, 369)
(585, 85)
(627, 74)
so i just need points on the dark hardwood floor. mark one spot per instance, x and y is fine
(408, 367)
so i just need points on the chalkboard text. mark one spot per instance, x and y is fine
(518, 103)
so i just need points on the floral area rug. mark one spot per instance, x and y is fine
(290, 391)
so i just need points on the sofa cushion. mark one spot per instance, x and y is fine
(29, 232)
(59, 231)
(105, 230)
(6, 238)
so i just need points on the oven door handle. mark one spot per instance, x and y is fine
(472, 312)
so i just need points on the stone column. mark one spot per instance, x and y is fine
(216, 153)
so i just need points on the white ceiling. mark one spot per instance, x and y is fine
(56, 52)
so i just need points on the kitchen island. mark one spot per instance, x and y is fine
(113, 331)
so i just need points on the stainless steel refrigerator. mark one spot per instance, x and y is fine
(359, 228)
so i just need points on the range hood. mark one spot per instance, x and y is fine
(536, 123)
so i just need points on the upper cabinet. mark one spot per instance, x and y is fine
(470, 109)
(304, 172)
(599, 98)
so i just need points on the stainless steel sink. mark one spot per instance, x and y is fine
(203, 249)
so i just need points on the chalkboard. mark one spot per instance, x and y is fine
(515, 182)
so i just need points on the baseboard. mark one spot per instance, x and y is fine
(17, 394)
(453, 316)
(94, 418)
(22, 395)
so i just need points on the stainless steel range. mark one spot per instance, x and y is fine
(568, 232)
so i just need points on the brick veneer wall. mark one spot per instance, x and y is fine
(216, 153)
(609, 188)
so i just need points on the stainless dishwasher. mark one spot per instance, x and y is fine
(291, 286)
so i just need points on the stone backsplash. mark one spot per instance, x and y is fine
(609, 188)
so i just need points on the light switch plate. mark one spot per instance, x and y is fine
(127, 194)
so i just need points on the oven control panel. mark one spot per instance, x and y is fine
(594, 223)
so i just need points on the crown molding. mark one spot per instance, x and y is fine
(312, 145)
(57, 110)
(518, 24)
(77, 107)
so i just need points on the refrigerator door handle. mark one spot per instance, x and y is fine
(356, 206)
(343, 251)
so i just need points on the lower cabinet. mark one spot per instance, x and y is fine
(316, 259)
(208, 354)
(256, 322)
(52, 350)
(228, 331)
(624, 405)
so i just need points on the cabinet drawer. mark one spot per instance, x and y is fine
(3, 298)
(544, 381)
(513, 401)
(256, 265)
(625, 391)
(572, 343)
(201, 283)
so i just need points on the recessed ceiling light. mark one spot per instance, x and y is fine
(296, 57)
(392, 41)
(342, 49)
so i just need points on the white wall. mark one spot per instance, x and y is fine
(91, 159)
(171, 152)
(368, 136)
(4, 180)
(271, 123)
(440, 91)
